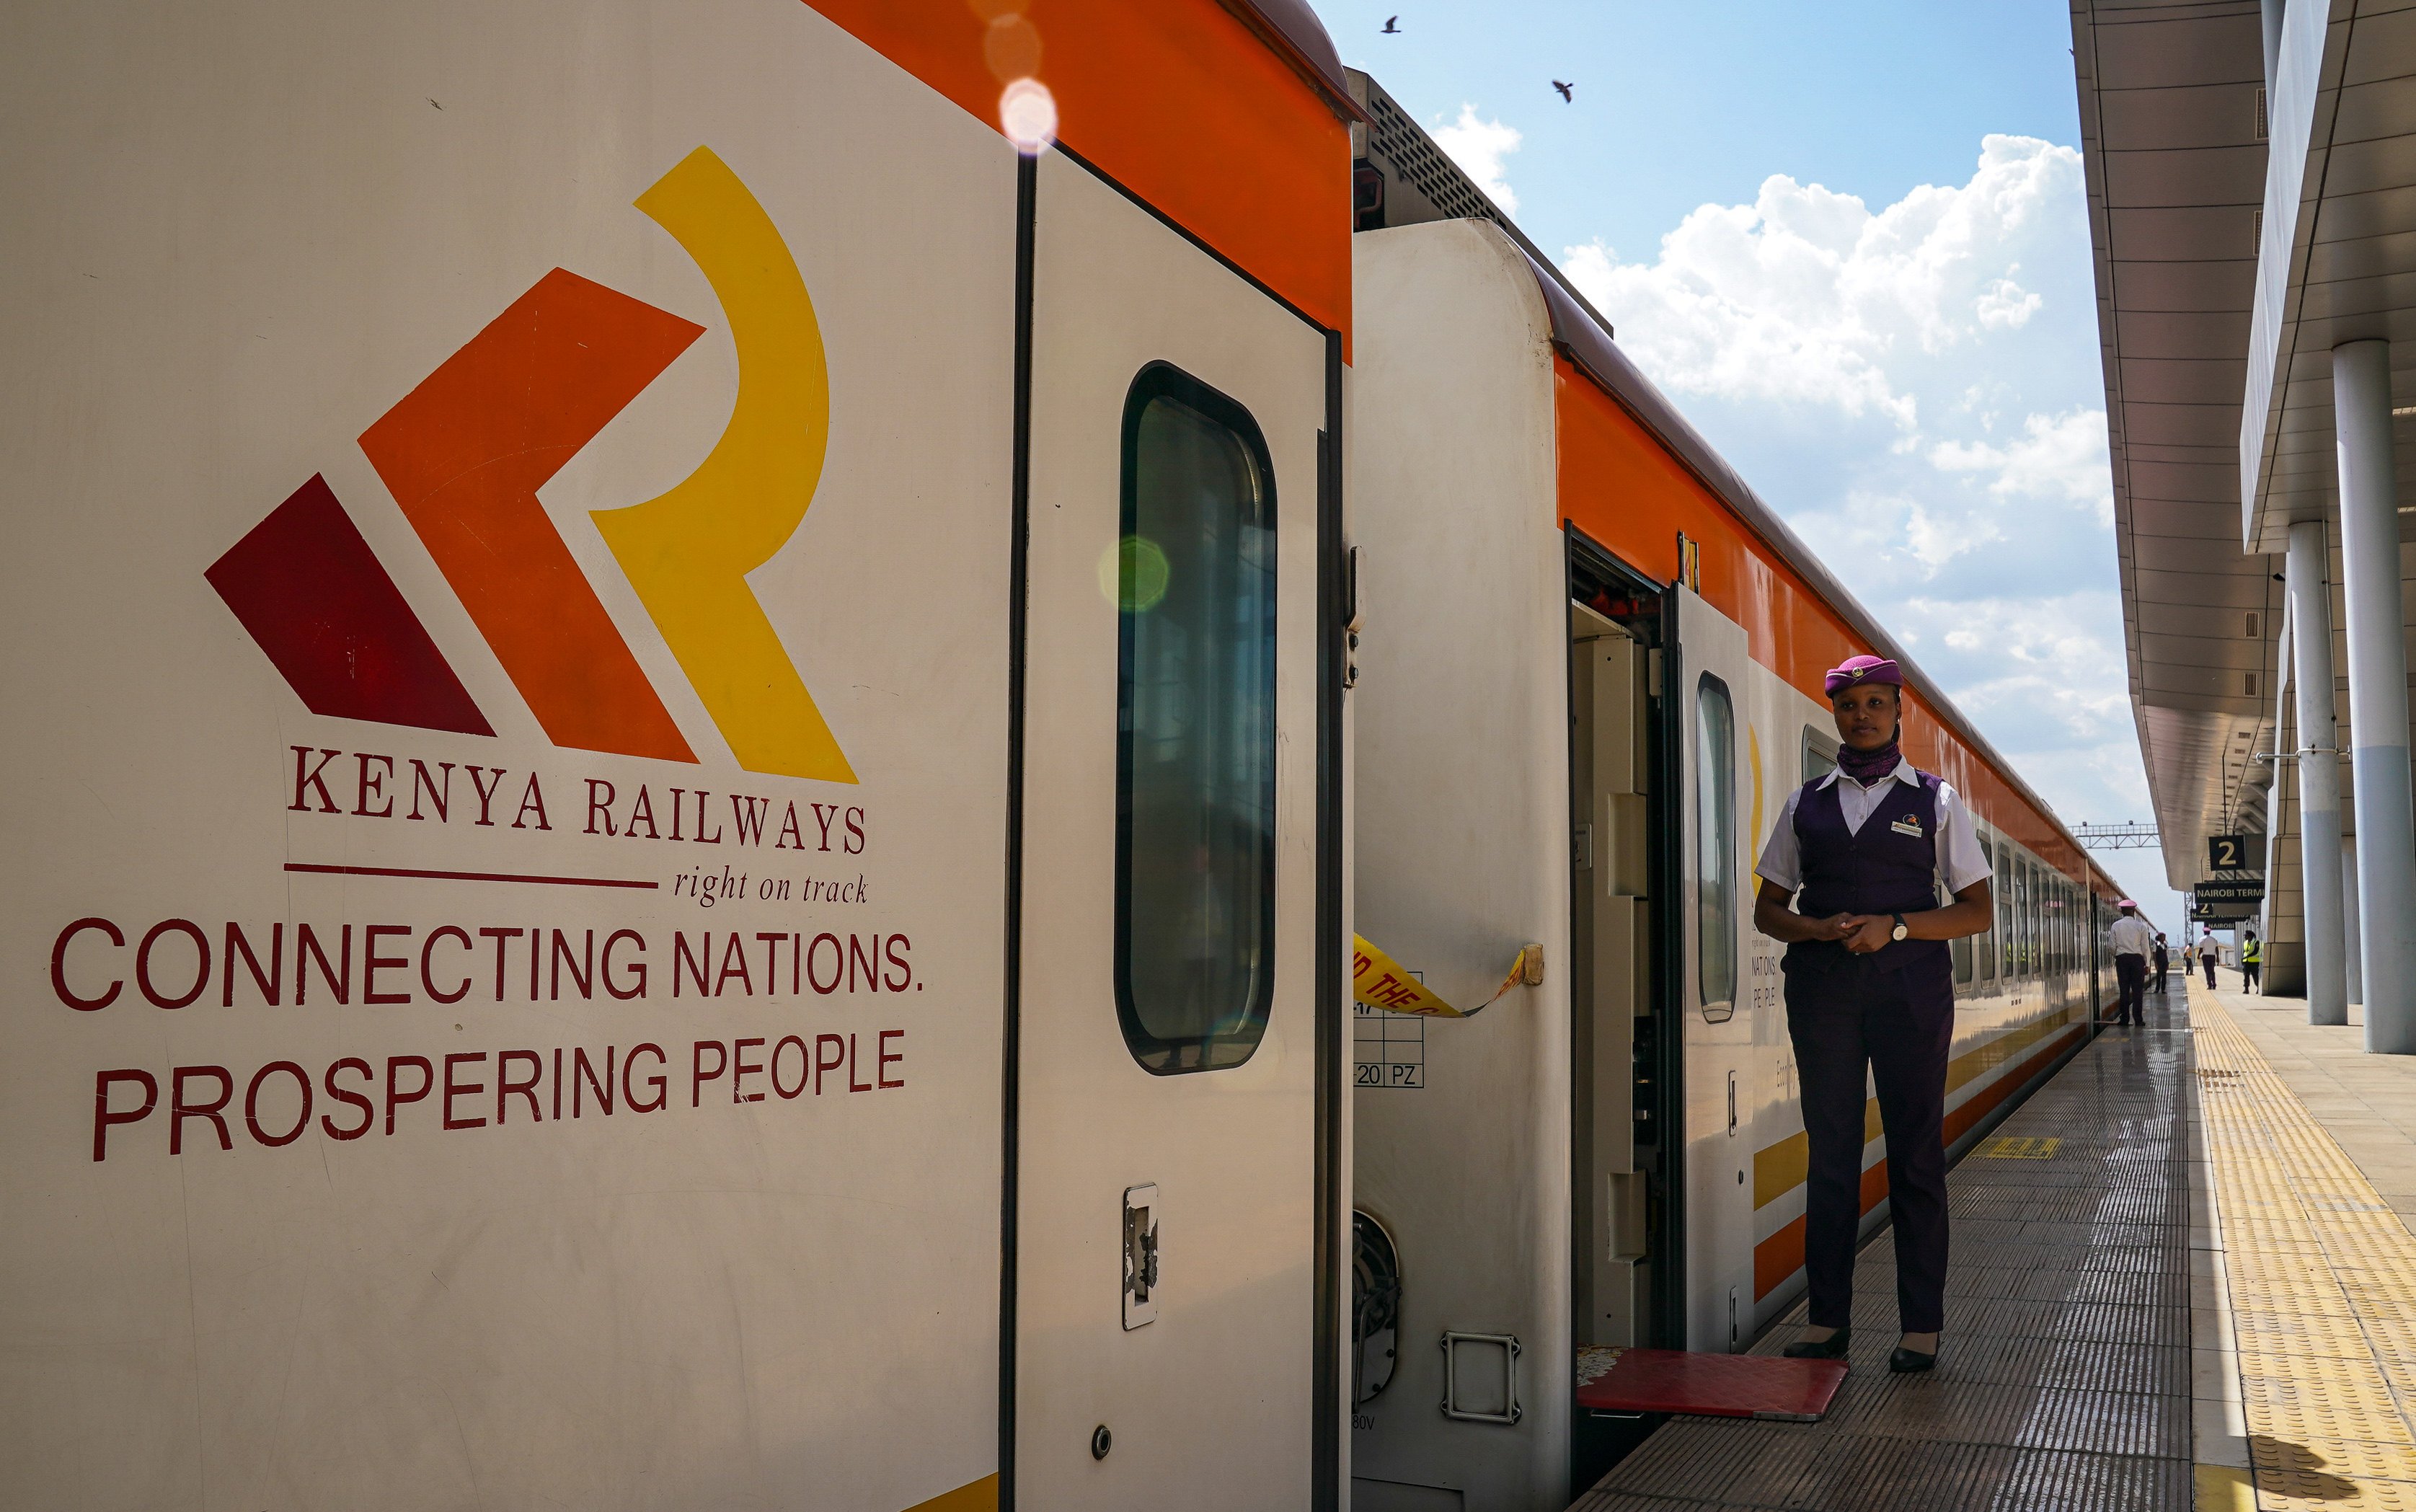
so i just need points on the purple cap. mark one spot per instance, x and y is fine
(1856, 670)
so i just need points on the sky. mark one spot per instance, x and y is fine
(1850, 242)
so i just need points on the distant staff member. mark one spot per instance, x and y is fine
(2252, 961)
(2133, 941)
(2207, 951)
(2162, 961)
(1870, 982)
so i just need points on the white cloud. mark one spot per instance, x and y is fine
(1479, 147)
(1807, 298)
(2005, 304)
(2050, 673)
(2062, 456)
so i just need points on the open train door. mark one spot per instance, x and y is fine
(1728, 797)
(1164, 1288)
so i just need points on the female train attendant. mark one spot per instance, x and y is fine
(1870, 981)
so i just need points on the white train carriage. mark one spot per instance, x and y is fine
(1591, 675)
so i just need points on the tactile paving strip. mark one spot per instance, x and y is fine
(2323, 1291)
(2065, 1381)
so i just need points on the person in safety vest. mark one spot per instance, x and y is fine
(2133, 941)
(2251, 958)
(1859, 854)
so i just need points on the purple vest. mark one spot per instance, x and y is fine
(1888, 867)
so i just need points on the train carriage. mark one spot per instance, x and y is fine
(1591, 675)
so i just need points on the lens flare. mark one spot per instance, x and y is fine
(1011, 47)
(1133, 574)
(1027, 112)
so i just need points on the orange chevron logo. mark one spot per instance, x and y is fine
(464, 454)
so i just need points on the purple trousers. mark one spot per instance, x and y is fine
(1901, 1026)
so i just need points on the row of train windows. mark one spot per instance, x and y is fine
(2042, 922)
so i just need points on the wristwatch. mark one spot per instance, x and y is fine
(1902, 928)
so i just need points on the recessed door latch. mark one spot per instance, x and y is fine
(1140, 1255)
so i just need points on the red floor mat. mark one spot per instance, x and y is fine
(1708, 1386)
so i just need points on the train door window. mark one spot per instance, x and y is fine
(1195, 581)
(1820, 754)
(1715, 910)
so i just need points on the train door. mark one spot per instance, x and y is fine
(1613, 1022)
(1720, 753)
(1163, 1206)
(1624, 1219)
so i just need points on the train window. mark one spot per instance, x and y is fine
(1196, 734)
(1715, 910)
(1984, 944)
(2025, 920)
(1820, 754)
(2031, 963)
(2008, 886)
(1965, 969)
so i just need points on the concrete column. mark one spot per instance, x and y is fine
(2377, 694)
(2349, 919)
(2280, 921)
(2309, 574)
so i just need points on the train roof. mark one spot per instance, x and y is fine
(1584, 335)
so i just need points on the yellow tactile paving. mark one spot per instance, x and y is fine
(2323, 1278)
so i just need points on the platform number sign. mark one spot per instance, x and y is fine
(2226, 853)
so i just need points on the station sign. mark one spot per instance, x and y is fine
(2223, 891)
(2235, 853)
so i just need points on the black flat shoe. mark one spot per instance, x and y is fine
(1911, 1362)
(1830, 1348)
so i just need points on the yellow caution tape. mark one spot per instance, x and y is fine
(1380, 982)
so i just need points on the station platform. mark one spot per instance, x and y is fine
(2181, 1280)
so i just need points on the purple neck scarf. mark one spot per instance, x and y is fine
(1868, 766)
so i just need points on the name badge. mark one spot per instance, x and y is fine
(1908, 826)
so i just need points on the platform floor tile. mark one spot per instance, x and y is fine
(2065, 1381)
(2322, 1280)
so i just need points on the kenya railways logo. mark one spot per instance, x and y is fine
(466, 451)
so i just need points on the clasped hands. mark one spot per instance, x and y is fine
(1860, 934)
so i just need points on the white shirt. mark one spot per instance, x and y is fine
(1961, 862)
(2133, 936)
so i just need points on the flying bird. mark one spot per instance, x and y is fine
(1566, 97)
(1391, 25)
